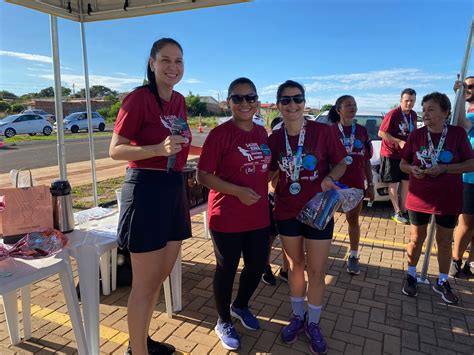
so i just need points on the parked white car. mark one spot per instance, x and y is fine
(257, 119)
(78, 121)
(371, 121)
(24, 124)
(43, 113)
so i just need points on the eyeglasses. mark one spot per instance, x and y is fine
(471, 86)
(297, 99)
(238, 99)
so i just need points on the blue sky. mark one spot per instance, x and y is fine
(371, 49)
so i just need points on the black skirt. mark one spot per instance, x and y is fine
(153, 210)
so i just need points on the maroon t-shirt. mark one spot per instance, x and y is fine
(321, 149)
(355, 172)
(394, 124)
(443, 194)
(141, 120)
(241, 158)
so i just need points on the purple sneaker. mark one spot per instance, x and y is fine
(289, 333)
(317, 343)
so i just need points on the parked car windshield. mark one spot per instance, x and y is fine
(9, 118)
(371, 122)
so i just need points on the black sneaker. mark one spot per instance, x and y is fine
(468, 269)
(445, 291)
(455, 268)
(267, 277)
(283, 275)
(155, 348)
(410, 286)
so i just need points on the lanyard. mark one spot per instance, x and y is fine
(408, 122)
(434, 154)
(297, 160)
(349, 146)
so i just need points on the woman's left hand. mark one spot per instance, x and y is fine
(436, 170)
(370, 193)
(328, 184)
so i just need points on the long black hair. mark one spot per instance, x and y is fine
(155, 48)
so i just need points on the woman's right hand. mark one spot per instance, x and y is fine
(417, 172)
(171, 145)
(247, 196)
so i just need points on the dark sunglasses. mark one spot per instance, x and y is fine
(297, 99)
(471, 86)
(238, 99)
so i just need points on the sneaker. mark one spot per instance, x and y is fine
(445, 291)
(455, 268)
(226, 332)
(410, 286)
(317, 343)
(399, 218)
(267, 277)
(247, 319)
(468, 269)
(289, 333)
(353, 266)
(155, 348)
(283, 275)
(407, 216)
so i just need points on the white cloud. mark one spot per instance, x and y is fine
(28, 56)
(111, 82)
(192, 81)
(120, 73)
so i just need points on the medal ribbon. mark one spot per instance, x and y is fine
(351, 138)
(408, 122)
(297, 159)
(434, 153)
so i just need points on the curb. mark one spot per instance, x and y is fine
(53, 142)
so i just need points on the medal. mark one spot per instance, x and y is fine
(348, 142)
(348, 160)
(435, 152)
(295, 188)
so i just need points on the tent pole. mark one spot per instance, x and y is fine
(89, 115)
(58, 100)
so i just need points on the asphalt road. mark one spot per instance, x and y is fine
(43, 154)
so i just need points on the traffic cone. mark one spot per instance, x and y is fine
(200, 130)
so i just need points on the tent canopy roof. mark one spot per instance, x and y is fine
(98, 10)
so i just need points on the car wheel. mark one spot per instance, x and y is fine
(10, 132)
(32, 134)
(102, 127)
(74, 129)
(47, 131)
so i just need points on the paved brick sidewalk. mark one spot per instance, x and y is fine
(364, 314)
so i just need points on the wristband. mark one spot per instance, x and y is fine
(330, 178)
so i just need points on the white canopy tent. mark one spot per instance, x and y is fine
(98, 10)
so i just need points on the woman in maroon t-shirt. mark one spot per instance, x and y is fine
(435, 156)
(152, 134)
(302, 154)
(234, 164)
(354, 138)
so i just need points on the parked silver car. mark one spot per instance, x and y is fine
(78, 121)
(51, 118)
(371, 121)
(24, 124)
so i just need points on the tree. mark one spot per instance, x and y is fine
(326, 107)
(4, 106)
(114, 109)
(49, 92)
(194, 105)
(7, 95)
(16, 108)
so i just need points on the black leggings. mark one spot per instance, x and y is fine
(228, 247)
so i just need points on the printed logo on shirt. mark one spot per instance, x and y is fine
(425, 157)
(258, 157)
(169, 120)
(404, 129)
(310, 163)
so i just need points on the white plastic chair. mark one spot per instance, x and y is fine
(26, 272)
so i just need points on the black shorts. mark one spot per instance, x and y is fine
(154, 210)
(390, 171)
(420, 219)
(468, 198)
(294, 228)
(273, 225)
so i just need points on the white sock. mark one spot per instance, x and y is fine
(355, 253)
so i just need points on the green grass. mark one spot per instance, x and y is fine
(210, 122)
(83, 197)
(52, 137)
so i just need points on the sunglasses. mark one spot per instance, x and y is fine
(297, 99)
(471, 86)
(238, 99)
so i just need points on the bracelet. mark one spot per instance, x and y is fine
(330, 178)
